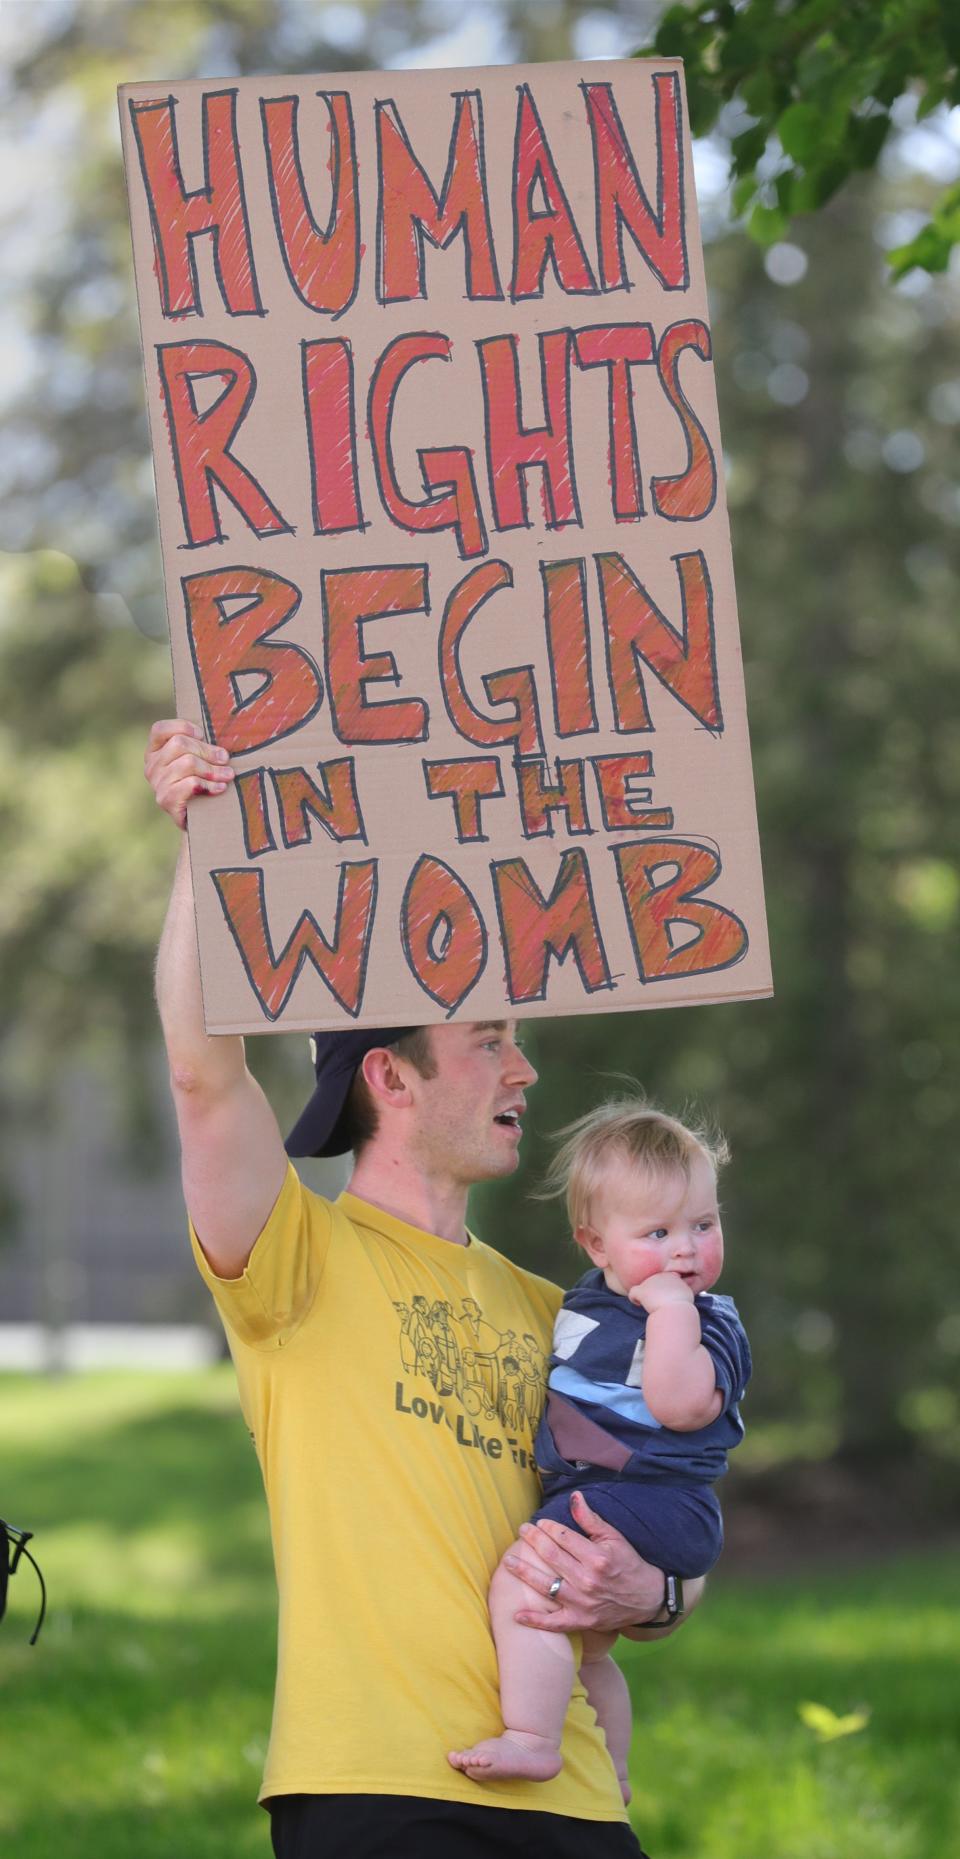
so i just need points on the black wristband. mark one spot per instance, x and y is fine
(671, 1605)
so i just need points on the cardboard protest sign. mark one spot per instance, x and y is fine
(447, 558)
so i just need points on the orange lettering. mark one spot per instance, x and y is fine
(332, 801)
(535, 928)
(568, 645)
(447, 471)
(637, 633)
(251, 792)
(618, 347)
(200, 442)
(323, 267)
(331, 436)
(411, 212)
(693, 492)
(218, 207)
(340, 962)
(515, 687)
(544, 228)
(659, 233)
(622, 802)
(512, 447)
(540, 799)
(351, 596)
(654, 909)
(230, 643)
(443, 934)
(466, 783)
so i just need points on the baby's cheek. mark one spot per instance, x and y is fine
(644, 1265)
(711, 1259)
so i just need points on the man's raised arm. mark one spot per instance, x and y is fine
(232, 1153)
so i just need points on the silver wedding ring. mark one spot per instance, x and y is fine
(555, 1587)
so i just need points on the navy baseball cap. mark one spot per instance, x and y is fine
(336, 1058)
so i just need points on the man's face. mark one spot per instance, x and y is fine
(467, 1118)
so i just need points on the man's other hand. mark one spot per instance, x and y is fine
(179, 764)
(604, 1585)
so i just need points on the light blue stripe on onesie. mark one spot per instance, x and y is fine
(626, 1401)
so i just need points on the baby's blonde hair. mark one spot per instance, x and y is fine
(626, 1129)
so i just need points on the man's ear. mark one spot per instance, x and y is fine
(593, 1246)
(385, 1076)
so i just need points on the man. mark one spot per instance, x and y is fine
(390, 1502)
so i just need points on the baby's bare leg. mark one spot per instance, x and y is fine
(536, 1678)
(607, 1690)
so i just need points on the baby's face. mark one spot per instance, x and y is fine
(643, 1223)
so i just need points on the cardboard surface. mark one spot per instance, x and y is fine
(446, 550)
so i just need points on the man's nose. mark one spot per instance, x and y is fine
(519, 1069)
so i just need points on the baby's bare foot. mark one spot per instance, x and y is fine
(517, 1754)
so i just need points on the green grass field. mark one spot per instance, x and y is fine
(136, 1727)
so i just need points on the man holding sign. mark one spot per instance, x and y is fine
(394, 1486)
(465, 749)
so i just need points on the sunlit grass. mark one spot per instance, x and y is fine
(718, 1712)
(137, 1726)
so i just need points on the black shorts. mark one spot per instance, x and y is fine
(388, 1826)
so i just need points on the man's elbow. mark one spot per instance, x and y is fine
(196, 1091)
(188, 1081)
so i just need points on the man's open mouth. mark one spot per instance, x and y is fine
(509, 1118)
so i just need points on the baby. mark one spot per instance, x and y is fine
(646, 1372)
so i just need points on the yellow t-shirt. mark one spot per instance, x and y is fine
(391, 1382)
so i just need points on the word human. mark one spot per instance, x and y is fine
(324, 265)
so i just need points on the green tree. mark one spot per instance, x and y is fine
(813, 89)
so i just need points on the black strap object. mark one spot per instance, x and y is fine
(13, 1546)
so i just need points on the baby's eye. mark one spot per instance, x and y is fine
(659, 1232)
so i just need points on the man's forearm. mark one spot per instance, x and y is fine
(197, 1061)
(693, 1588)
(604, 1585)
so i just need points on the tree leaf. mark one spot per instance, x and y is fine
(929, 251)
(743, 192)
(767, 224)
(674, 35)
(747, 148)
(800, 129)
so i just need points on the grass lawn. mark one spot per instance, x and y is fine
(136, 1728)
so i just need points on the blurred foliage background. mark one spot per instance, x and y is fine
(839, 390)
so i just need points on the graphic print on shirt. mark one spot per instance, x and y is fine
(494, 1374)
